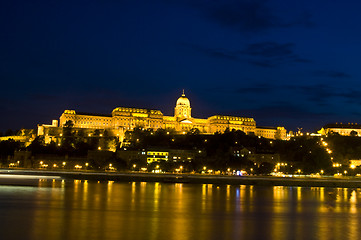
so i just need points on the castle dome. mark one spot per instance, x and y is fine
(183, 101)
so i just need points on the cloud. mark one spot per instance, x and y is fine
(279, 112)
(268, 49)
(213, 52)
(320, 94)
(287, 110)
(247, 16)
(331, 74)
(270, 54)
(262, 54)
(255, 89)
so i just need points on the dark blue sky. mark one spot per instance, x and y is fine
(288, 63)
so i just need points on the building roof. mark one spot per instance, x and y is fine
(265, 127)
(183, 100)
(94, 114)
(343, 126)
(137, 110)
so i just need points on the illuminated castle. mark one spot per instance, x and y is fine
(124, 118)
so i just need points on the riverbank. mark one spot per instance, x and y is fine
(22, 177)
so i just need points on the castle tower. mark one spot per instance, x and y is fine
(183, 107)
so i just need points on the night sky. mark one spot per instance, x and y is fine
(284, 63)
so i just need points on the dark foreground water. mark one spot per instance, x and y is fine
(78, 210)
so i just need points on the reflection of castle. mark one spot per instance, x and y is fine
(123, 119)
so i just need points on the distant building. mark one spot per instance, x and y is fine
(24, 136)
(160, 154)
(124, 118)
(342, 129)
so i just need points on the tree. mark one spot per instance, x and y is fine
(353, 133)
(7, 148)
(9, 132)
(194, 131)
(265, 168)
(68, 137)
(37, 145)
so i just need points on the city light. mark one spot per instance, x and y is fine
(78, 167)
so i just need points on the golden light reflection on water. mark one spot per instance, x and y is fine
(111, 210)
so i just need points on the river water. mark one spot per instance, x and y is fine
(84, 210)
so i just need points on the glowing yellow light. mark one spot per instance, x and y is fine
(86, 164)
(134, 165)
(64, 163)
(77, 167)
(352, 166)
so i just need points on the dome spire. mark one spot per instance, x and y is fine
(183, 107)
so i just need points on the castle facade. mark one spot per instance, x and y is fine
(126, 119)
